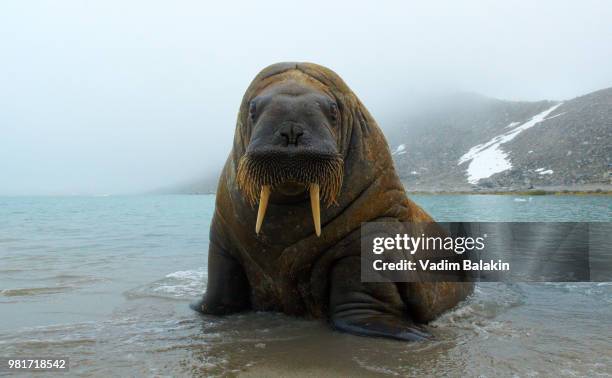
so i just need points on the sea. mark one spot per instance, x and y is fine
(106, 282)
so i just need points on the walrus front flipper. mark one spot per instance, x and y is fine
(228, 288)
(368, 308)
(380, 325)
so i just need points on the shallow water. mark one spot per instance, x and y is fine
(106, 282)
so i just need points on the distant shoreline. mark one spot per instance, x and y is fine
(584, 189)
(518, 193)
(534, 192)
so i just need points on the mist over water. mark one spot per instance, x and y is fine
(115, 97)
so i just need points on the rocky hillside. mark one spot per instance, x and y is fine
(469, 142)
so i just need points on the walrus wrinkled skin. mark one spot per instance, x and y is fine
(299, 122)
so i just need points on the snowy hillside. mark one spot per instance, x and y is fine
(478, 143)
(468, 142)
(488, 158)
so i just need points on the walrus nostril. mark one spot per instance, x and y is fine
(298, 134)
(291, 132)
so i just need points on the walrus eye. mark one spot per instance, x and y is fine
(252, 110)
(333, 111)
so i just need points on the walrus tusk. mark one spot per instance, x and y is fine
(314, 205)
(263, 204)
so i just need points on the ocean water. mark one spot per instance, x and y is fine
(106, 281)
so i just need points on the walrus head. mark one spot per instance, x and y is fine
(302, 135)
(293, 147)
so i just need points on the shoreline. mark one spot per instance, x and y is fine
(535, 192)
(529, 192)
(558, 190)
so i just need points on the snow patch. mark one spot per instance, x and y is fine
(400, 150)
(544, 171)
(488, 158)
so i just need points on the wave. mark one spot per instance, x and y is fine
(31, 291)
(478, 313)
(183, 284)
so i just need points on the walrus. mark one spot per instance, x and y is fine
(308, 165)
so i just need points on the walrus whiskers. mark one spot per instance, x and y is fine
(322, 175)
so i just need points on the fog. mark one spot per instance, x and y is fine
(110, 97)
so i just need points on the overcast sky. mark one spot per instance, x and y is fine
(123, 96)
